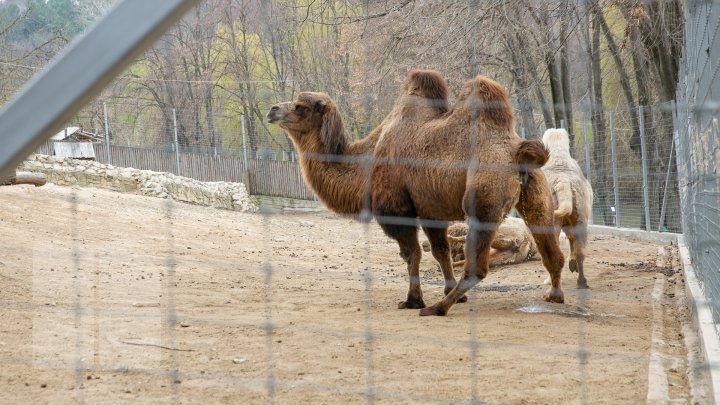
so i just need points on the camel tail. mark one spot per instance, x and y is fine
(530, 155)
(563, 192)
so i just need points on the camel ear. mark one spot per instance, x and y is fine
(320, 106)
(332, 133)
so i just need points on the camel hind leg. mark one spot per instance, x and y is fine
(535, 206)
(577, 236)
(441, 251)
(477, 247)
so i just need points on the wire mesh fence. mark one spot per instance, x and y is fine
(697, 135)
(628, 163)
(160, 300)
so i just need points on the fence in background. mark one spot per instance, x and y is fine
(698, 143)
(262, 177)
(629, 164)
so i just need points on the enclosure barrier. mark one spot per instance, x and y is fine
(641, 193)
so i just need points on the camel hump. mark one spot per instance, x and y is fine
(428, 84)
(531, 154)
(496, 105)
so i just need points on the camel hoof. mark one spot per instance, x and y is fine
(582, 284)
(555, 295)
(572, 264)
(431, 311)
(412, 304)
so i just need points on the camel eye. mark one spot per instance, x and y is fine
(300, 109)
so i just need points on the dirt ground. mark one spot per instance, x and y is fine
(118, 298)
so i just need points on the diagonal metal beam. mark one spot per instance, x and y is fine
(52, 97)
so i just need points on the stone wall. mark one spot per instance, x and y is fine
(88, 173)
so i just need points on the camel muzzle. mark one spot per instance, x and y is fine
(273, 115)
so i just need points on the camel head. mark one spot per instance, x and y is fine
(313, 123)
(425, 86)
(486, 99)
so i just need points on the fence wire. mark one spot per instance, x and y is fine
(631, 168)
(697, 142)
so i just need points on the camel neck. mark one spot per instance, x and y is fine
(339, 181)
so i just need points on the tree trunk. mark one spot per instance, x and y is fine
(37, 179)
(555, 89)
(599, 152)
(537, 84)
(565, 75)
(519, 74)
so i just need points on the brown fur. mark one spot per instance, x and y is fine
(422, 172)
(512, 244)
(572, 198)
(336, 169)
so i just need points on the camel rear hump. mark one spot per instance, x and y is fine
(496, 105)
(531, 154)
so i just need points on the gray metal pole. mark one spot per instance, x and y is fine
(616, 187)
(587, 161)
(522, 133)
(177, 144)
(80, 73)
(108, 160)
(586, 150)
(562, 124)
(643, 154)
(244, 146)
(667, 182)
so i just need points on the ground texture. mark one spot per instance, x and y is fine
(119, 298)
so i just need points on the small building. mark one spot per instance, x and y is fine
(75, 143)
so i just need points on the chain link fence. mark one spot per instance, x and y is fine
(698, 143)
(629, 162)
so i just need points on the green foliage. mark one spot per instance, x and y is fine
(43, 19)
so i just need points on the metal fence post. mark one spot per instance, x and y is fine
(643, 154)
(107, 135)
(562, 124)
(522, 133)
(586, 152)
(177, 144)
(667, 183)
(244, 147)
(587, 161)
(616, 188)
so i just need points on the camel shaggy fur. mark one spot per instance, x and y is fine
(512, 244)
(468, 163)
(336, 169)
(572, 198)
(504, 173)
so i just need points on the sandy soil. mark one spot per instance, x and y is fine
(109, 297)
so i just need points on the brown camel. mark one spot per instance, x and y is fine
(512, 244)
(469, 163)
(337, 170)
(572, 198)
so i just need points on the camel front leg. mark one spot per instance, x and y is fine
(441, 251)
(406, 237)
